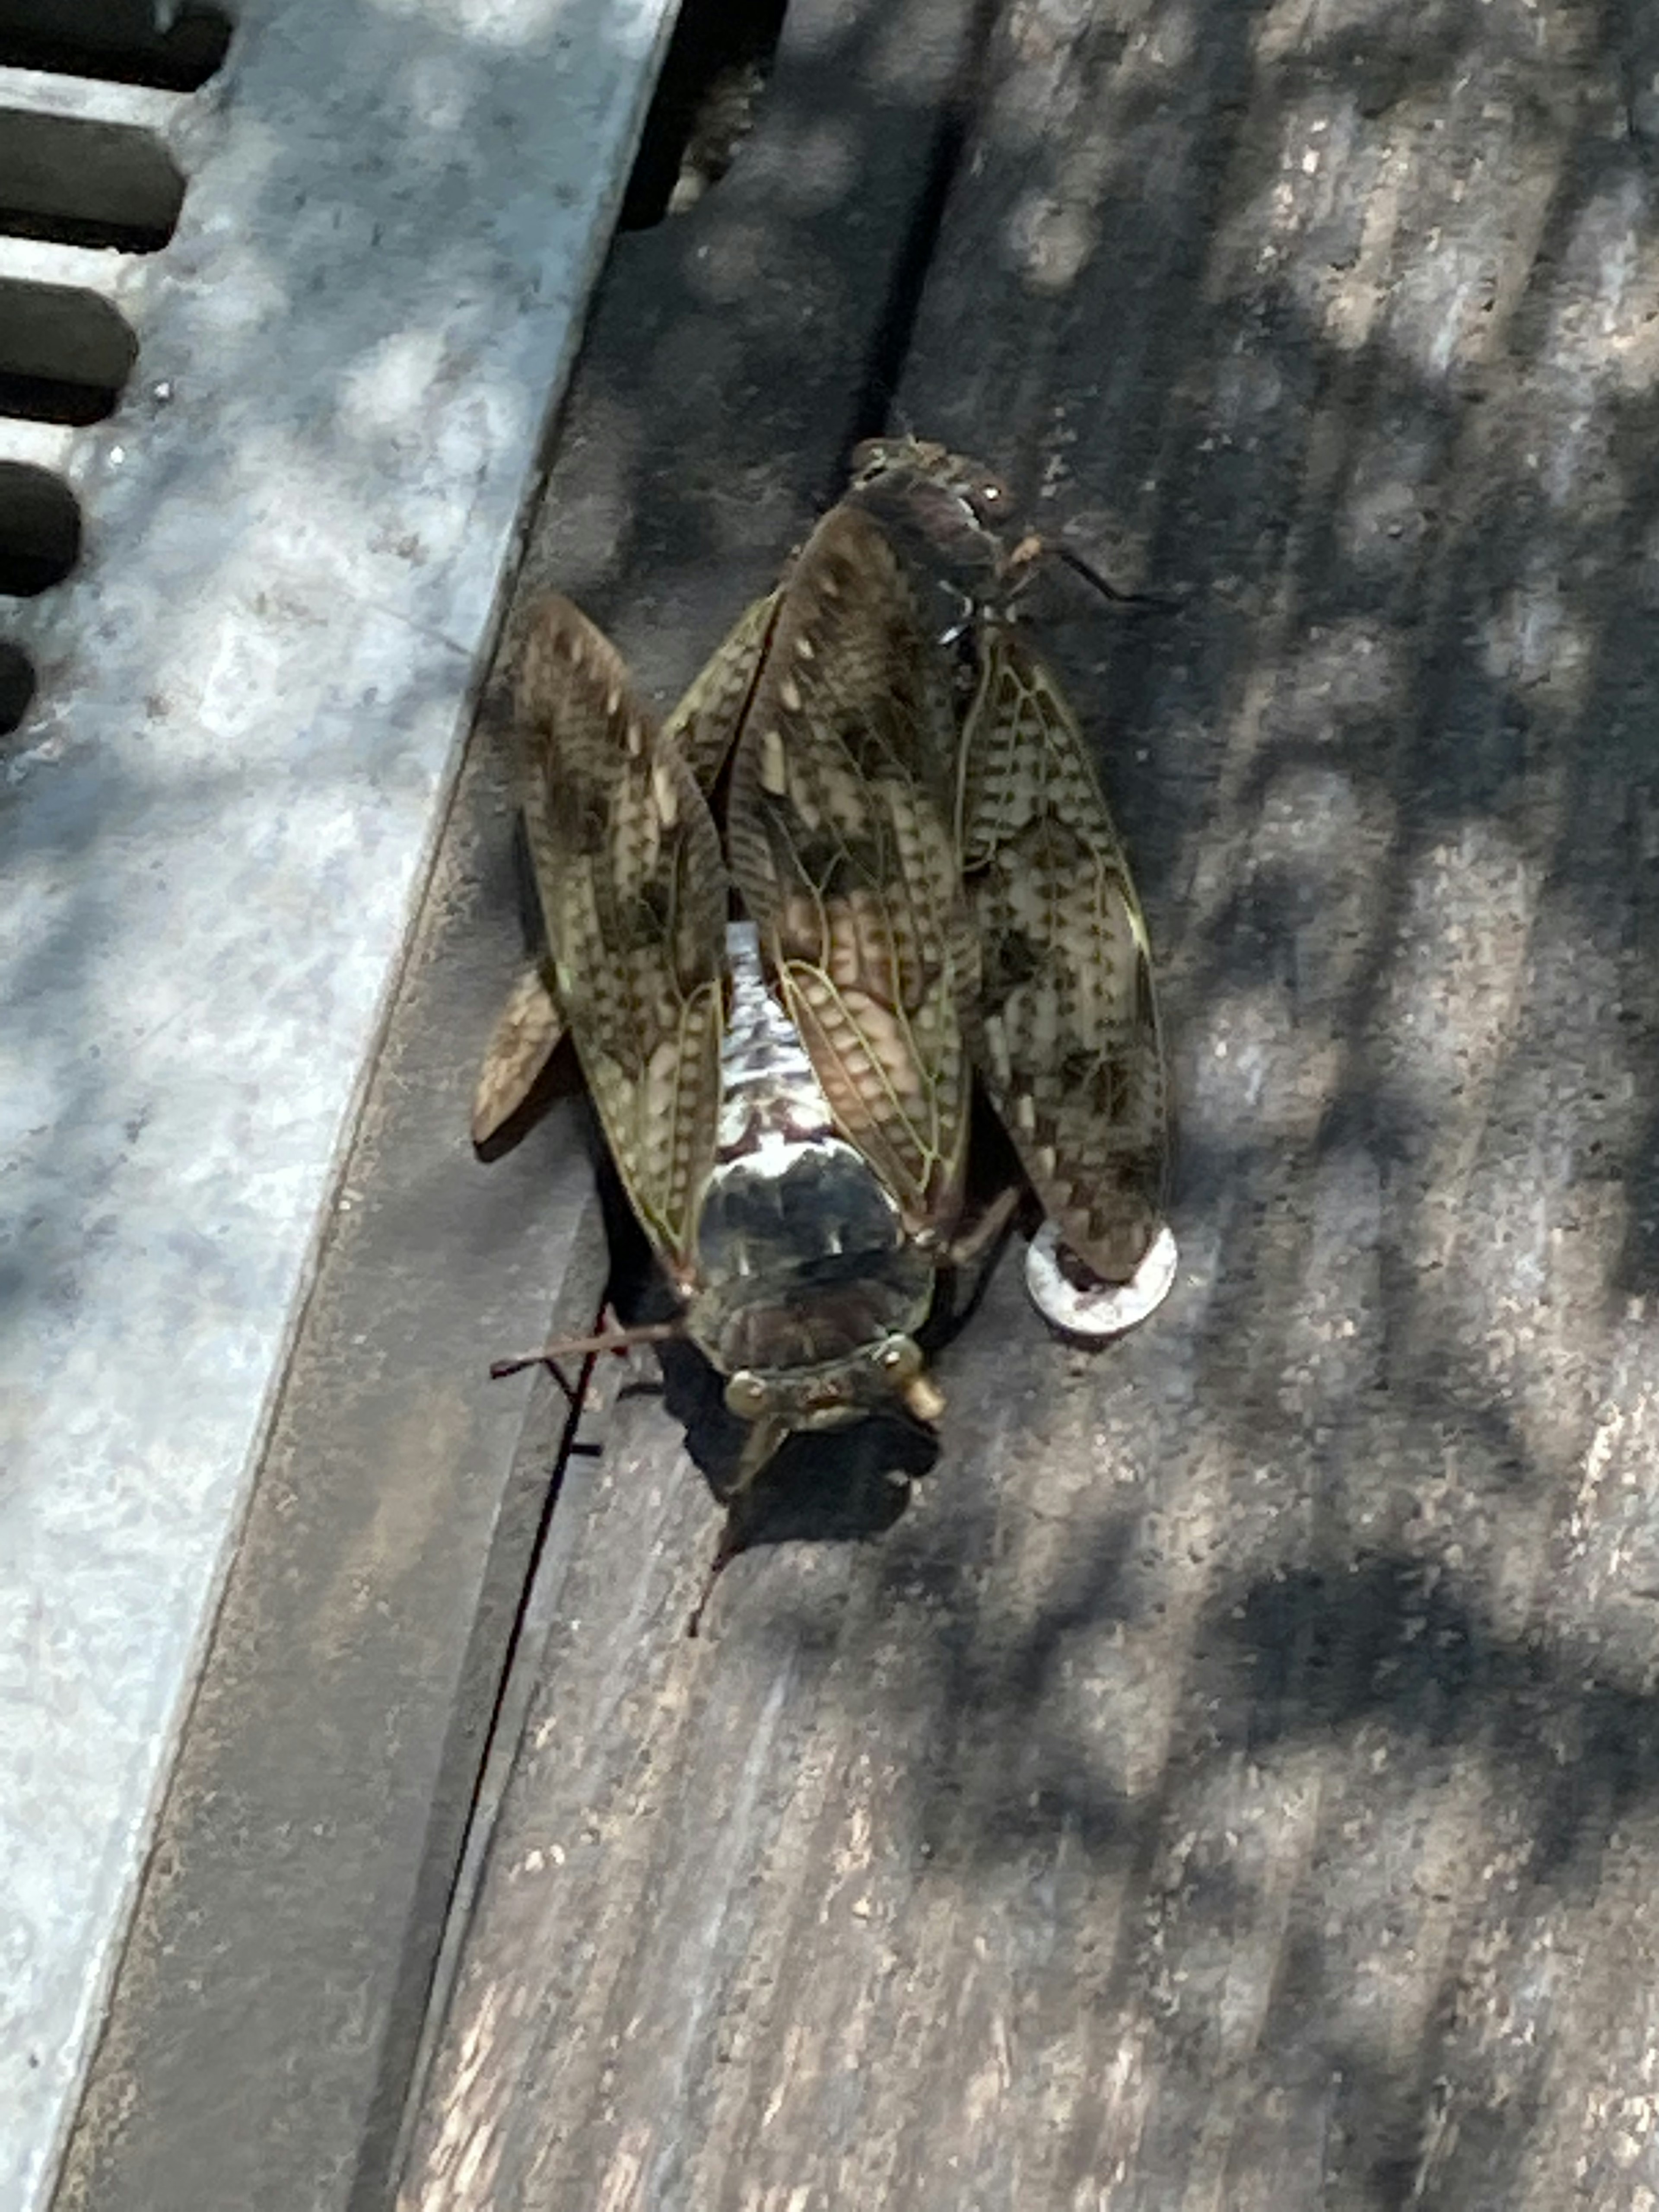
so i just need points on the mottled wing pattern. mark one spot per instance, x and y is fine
(1069, 1044)
(529, 1025)
(707, 719)
(627, 865)
(838, 832)
(524, 1038)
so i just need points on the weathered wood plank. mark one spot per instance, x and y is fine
(1232, 1782)
(725, 369)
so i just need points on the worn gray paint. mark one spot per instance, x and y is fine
(213, 824)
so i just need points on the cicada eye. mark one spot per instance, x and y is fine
(899, 1359)
(746, 1395)
(870, 458)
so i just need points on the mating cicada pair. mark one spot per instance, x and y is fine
(864, 864)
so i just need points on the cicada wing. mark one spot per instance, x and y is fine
(628, 865)
(1068, 1037)
(524, 1038)
(703, 726)
(838, 830)
(707, 720)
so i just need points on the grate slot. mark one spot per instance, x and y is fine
(119, 39)
(80, 183)
(39, 530)
(64, 353)
(16, 687)
(718, 59)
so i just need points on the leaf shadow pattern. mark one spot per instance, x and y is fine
(1257, 1720)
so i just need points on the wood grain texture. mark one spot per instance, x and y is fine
(1234, 1783)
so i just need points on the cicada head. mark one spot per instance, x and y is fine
(912, 467)
(947, 514)
(886, 1375)
(811, 1291)
(957, 524)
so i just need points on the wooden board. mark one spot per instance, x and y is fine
(1232, 1782)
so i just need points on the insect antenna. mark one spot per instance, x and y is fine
(1108, 590)
(1022, 566)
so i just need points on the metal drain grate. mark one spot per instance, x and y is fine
(87, 180)
(16, 686)
(40, 529)
(278, 344)
(80, 183)
(125, 42)
(65, 354)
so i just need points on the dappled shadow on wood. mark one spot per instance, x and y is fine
(1245, 1745)
(1380, 1662)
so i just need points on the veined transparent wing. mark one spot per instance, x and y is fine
(628, 868)
(531, 1023)
(1069, 1047)
(839, 835)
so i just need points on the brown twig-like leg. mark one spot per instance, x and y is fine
(567, 1347)
(758, 1447)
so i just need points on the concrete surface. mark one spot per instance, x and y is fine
(216, 814)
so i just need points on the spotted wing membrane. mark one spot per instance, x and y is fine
(1069, 1047)
(838, 837)
(628, 865)
(703, 726)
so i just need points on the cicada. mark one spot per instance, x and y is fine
(780, 1008)
(769, 1023)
